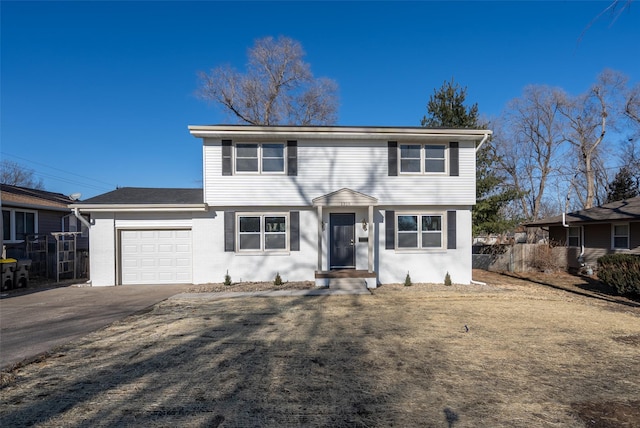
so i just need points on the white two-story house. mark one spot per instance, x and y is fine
(309, 203)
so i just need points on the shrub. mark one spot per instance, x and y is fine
(447, 279)
(407, 280)
(543, 258)
(277, 280)
(621, 271)
(227, 279)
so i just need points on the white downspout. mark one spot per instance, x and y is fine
(76, 212)
(484, 139)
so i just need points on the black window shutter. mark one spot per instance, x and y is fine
(292, 158)
(393, 158)
(226, 157)
(294, 230)
(390, 229)
(229, 231)
(454, 158)
(451, 230)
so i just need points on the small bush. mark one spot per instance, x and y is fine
(447, 279)
(621, 271)
(543, 258)
(278, 279)
(227, 279)
(407, 280)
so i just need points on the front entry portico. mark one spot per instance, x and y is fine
(342, 234)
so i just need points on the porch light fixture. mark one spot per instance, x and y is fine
(364, 224)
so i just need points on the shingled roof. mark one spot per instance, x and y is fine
(625, 210)
(147, 195)
(33, 198)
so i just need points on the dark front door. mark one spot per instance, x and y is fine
(343, 254)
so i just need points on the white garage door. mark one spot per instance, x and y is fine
(156, 256)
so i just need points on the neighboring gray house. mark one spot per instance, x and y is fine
(591, 233)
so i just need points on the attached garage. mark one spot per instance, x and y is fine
(156, 256)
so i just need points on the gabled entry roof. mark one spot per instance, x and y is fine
(344, 197)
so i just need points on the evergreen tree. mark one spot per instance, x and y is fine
(446, 108)
(623, 186)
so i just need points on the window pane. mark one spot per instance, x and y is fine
(431, 240)
(621, 229)
(410, 151)
(272, 165)
(275, 241)
(250, 224)
(620, 242)
(275, 224)
(247, 150)
(30, 223)
(407, 240)
(434, 152)
(19, 225)
(273, 150)
(407, 223)
(431, 165)
(247, 165)
(250, 241)
(6, 225)
(431, 222)
(410, 165)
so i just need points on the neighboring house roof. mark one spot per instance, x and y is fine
(133, 198)
(625, 210)
(23, 197)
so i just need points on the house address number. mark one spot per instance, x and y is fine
(345, 204)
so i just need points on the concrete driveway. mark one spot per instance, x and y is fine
(31, 324)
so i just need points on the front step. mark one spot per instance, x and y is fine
(347, 284)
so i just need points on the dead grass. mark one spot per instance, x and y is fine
(508, 354)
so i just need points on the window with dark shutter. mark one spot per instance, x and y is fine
(294, 230)
(229, 231)
(454, 159)
(226, 157)
(451, 230)
(393, 158)
(390, 229)
(292, 158)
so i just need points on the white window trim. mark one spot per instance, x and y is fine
(262, 249)
(12, 223)
(260, 172)
(423, 158)
(614, 236)
(419, 248)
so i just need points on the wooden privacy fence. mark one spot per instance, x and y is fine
(524, 257)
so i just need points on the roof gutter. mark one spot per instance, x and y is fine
(141, 207)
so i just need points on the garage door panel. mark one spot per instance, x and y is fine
(156, 256)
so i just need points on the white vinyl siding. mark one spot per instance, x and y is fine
(324, 167)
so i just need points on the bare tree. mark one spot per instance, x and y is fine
(278, 87)
(632, 105)
(14, 174)
(588, 119)
(529, 143)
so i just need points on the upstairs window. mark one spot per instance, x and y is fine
(620, 236)
(260, 158)
(423, 158)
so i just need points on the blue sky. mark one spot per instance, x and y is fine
(96, 95)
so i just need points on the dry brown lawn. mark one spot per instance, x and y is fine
(508, 354)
